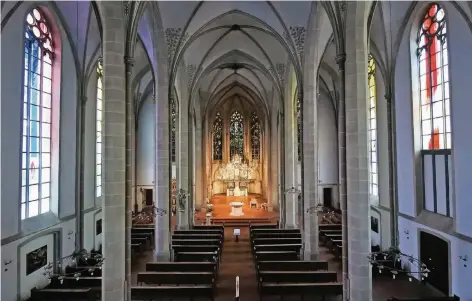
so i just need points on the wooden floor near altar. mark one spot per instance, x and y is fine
(222, 208)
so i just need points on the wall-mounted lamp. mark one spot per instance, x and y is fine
(464, 259)
(7, 262)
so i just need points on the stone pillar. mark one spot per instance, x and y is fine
(182, 163)
(290, 146)
(162, 178)
(114, 152)
(357, 168)
(392, 170)
(130, 117)
(273, 162)
(340, 60)
(199, 170)
(310, 165)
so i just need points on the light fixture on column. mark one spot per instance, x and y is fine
(387, 261)
(292, 190)
(182, 195)
(93, 261)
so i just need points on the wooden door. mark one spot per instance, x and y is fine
(434, 252)
(327, 197)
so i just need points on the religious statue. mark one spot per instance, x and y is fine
(182, 195)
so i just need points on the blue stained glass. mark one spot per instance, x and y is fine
(35, 80)
(34, 96)
(34, 145)
(34, 113)
(35, 50)
(26, 79)
(34, 128)
(26, 61)
(27, 46)
(36, 65)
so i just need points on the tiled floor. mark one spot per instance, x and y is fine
(237, 261)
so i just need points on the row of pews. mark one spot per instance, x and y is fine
(193, 271)
(280, 271)
(84, 283)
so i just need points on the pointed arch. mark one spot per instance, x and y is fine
(218, 137)
(255, 136)
(236, 134)
(372, 115)
(98, 130)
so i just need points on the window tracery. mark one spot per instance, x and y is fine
(236, 134)
(255, 136)
(98, 146)
(173, 121)
(433, 68)
(373, 185)
(299, 128)
(37, 106)
(218, 137)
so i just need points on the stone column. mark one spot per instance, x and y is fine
(199, 174)
(114, 152)
(182, 163)
(357, 168)
(392, 168)
(310, 165)
(290, 139)
(162, 178)
(273, 162)
(340, 60)
(130, 117)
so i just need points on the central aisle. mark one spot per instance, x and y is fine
(237, 260)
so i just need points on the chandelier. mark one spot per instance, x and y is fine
(379, 260)
(73, 260)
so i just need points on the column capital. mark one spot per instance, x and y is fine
(100, 60)
(84, 99)
(340, 59)
(129, 63)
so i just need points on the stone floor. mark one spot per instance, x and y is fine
(237, 261)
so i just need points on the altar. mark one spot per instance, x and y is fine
(236, 175)
(236, 209)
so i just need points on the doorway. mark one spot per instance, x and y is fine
(148, 196)
(434, 252)
(327, 197)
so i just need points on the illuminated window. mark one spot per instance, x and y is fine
(255, 136)
(299, 128)
(37, 105)
(434, 80)
(374, 176)
(236, 134)
(218, 137)
(173, 120)
(98, 149)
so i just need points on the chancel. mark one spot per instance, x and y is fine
(311, 150)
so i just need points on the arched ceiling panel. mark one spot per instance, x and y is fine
(175, 14)
(198, 48)
(293, 13)
(144, 33)
(210, 10)
(238, 78)
(270, 44)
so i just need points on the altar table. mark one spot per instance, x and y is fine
(236, 209)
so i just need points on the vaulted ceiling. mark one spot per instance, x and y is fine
(238, 49)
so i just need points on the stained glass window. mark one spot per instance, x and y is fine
(236, 134)
(255, 136)
(36, 134)
(173, 120)
(374, 177)
(218, 137)
(98, 147)
(299, 128)
(434, 80)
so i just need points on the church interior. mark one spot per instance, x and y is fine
(236, 150)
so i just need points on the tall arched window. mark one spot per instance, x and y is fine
(374, 177)
(299, 128)
(236, 134)
(173, 120)
(218, 137)
(435, 128)
(37, 105)
(98, 147)
(255, 136)
(434, 80)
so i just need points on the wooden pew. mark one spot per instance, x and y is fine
(281, 247)
(276, 241)
(181, 267)
(72, 282)
(297, 265)
(269, 226)
(212, 227)
(196, 236)
(197, 256)
(277, 235)
(139, 240)
(297, 276)
(189, 242)
(257, 231)
(276, 255)
(195, 248)
(84, 294)
(176, 278)
(301, 289)
(142, 230)
(329, 226)
(198, 232)
(149, 236)
(157, 292)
